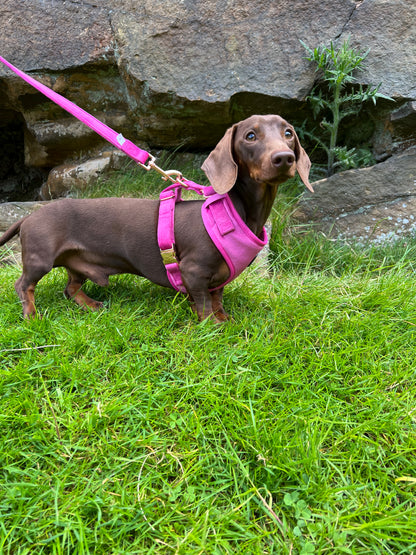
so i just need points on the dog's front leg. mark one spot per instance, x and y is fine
(209, 306)
(197, 277)
(200, 298)
(217, 308)
(201, 304)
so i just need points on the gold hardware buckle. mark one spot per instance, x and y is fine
(168, 256)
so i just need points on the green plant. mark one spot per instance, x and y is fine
(331, 96)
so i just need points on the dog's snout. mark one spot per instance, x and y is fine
(283, 159)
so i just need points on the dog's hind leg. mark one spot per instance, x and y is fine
(33, 271)
(26, 291)
(73, 291)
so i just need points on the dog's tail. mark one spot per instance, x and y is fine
(11, 232)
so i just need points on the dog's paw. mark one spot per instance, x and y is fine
(94, 305)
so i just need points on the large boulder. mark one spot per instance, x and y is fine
(387, 29)
(369, 204)
(194, 68)
(176, 74)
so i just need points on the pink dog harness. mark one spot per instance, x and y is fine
(236, 242)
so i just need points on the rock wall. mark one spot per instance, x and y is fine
(170, 73)
(369, 204)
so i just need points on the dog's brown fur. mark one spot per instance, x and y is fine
(96, 238)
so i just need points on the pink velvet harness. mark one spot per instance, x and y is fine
(236, 242)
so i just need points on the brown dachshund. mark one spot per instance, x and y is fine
(96, 238)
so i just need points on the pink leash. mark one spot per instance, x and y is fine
(116, 139)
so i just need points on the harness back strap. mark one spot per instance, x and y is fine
(166, 228)
(166, 235)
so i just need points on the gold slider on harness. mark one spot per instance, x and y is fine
(168, 256)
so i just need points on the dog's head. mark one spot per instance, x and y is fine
(265, 149)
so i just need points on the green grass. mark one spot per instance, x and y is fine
(291, 429)
(133, 181)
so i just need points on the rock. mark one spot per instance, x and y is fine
(386, 28)
(176, 74)
(68, 178)
(375, 203)
(55, 36)
(403, 122)
(190, 63)
(182, 72)
(77, 62)
(10, 212)
(378, 224)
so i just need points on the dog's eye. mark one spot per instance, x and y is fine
(288, 134)
(251, 136)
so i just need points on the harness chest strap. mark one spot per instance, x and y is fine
(236, 242)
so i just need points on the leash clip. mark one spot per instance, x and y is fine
(174, 176)
(149, 164)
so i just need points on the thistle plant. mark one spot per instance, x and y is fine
(331, 96)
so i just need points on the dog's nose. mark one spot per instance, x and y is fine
(284, 159)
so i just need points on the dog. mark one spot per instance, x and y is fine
(96, 238)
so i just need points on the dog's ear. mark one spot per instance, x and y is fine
(303, 164)
(220, 166)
